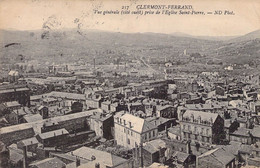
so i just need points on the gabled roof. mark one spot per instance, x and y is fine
(139, 125)
(22, 111)
(241, 131)
(32, 117)
(97, 156)
(154, 145)
(205, 116)
(158, 165)
(29, 141)
(67, 95)
(49, 162)
(50, 134)
(181, 156)
(13, 73)
(219, 154)
(175, 130)
(160, 108)
(12, 104)
(209, 106)
(256, 132)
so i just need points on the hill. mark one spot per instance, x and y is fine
(70, 45)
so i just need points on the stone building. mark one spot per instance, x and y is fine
(131, 131)
(202, 127)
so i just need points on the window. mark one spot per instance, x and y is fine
(207, 139)
(184, 126)
(195, 129)
(149, 135)
(128, 141)
(196, 137)
(153, 133)
(188, 135)
(128, 132)
(189, 127)
(145, 136)
(207, 131)
(131, 133)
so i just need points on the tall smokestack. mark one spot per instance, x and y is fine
(94, 62)
(188, 147)
(24, 157)
(141, 155)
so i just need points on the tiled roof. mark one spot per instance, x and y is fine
(175, 130)
(154, 145)
(49, 162)
(11, 104)
(241, 131)
(181, 156)
(205, 116)
(256, 132)
(32, 117)
(139, 125)
(219, 154)
(28, 141)
(97, 156)
(50, 134)
(67, 95)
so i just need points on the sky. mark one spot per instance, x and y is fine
(59, 14)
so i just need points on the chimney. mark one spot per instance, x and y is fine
(24, 157)
(77, 161)
(188, 149)
(97, 165)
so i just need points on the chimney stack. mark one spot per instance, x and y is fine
(188, 148)
(77, 161)
(24, 157)
(97, 165)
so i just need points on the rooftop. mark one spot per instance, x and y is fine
(29, 141)
(32, 117)
(51, 134)
(66, 95)
(219, 154)
(154, 145)
(12, 104)
(49, 162)
(204, 116)
(97, 156)
(139, 125)
(241, 131)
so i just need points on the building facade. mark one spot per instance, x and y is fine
(202, 127)
(132, 131)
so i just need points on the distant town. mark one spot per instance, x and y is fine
(128, 114)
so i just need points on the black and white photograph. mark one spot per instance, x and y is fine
(129, 84)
